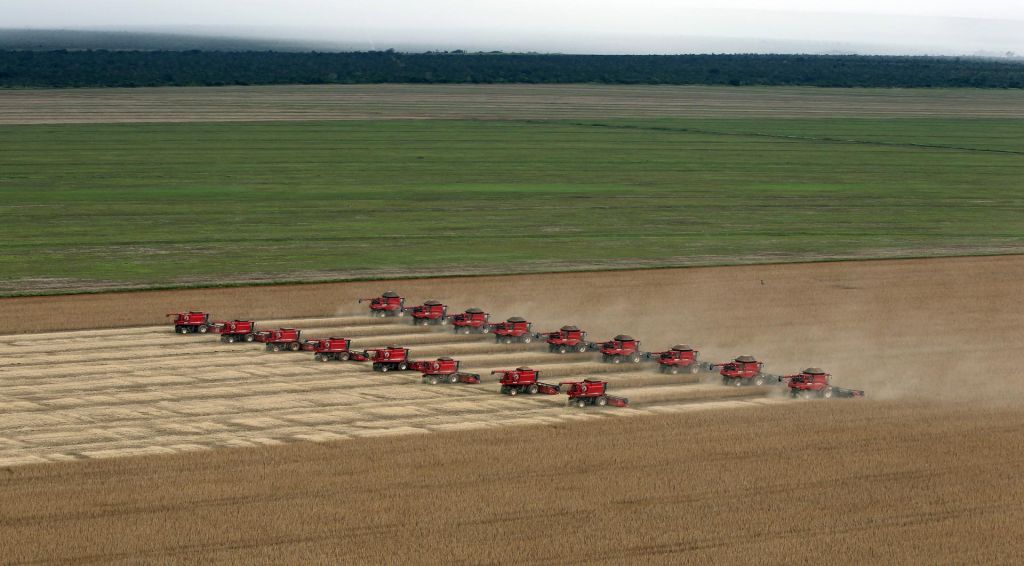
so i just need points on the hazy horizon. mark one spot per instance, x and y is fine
(869, 27)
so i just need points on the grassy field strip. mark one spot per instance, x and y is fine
(682, 191)
(746, 131)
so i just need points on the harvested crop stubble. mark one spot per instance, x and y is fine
(877, 482)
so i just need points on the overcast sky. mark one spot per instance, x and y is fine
(666, 26)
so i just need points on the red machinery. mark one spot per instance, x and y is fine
(192, 321)
(389, 358)
(515, 329)
(592, 392)
(443, 370)
(524, 380)
(281, 339)
(389, 303)
(430, 312)
(814, 382)
(744, 370)
(621, 348)
(236, 330)
(567, 339)
(680, 358)
(327, 349)
(474, 320)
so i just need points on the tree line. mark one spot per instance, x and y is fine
(102, 68)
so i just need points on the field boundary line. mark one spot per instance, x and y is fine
(781, 136)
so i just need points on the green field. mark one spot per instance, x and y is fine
(102, 206)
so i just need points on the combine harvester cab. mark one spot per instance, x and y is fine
(473, 321)
(196, 322)
(389, 303)
(681, 358)
(622, 348)
(430, 312)
(815, 383)
(328, 349)
(524, 380)
(744, 370)
(237, 331)
(443, 370)
(592, 392)
(567, 339)
(281, 339)
(389, 358)
(515, 329)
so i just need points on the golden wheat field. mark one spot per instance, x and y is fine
(242, 456)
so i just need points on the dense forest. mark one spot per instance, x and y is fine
(102, 68)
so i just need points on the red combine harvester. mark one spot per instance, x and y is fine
(443, 370)
(327, 349)
(567, 339)
(281, 339)
(744, 370)
(474, 321)
(524, 380)
(681, 358)
(430, 312)
(236, 331)
(814, 382)
(622, 348)
(592, 392)
(515, 329)
(389, 303)
(191, 322)
(388, 358)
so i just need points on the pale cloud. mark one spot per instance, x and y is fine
(939, 26)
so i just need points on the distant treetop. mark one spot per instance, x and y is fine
(101, 68)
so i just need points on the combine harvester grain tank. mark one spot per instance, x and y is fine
(280, 339)
(236, 330)
(680, 358)
(515, 329)
(524, 380)
(744, 370)
(389, 303)
(622, 348)
(331, 349)
(567, 339)
(591, 392)
(389, 358)
(430, 313)
(443, 370)
(815, 383)
(192, 322)
(473, 321)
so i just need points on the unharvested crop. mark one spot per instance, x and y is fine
(873, 482)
